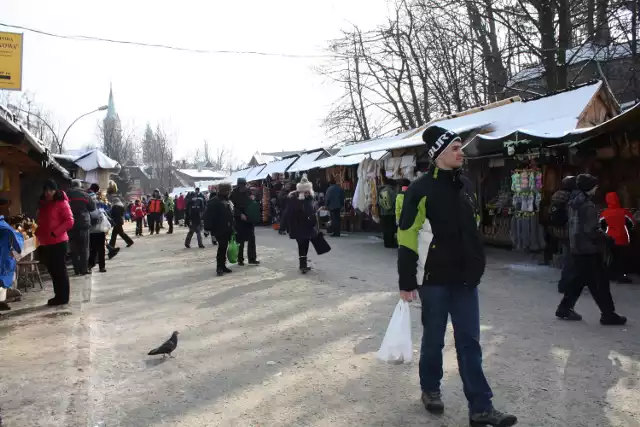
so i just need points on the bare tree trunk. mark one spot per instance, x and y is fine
(564, 40)
(603, 32)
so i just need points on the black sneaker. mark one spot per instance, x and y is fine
(201, 246)
(130, 244)
(241, 262)
(103, 270)
(4, 306)
(113, 253)
(254, 262)
(187, 246)
(225, 269)
(613, 319)
(433, 402)
(568, 314)
(219, 272)
(492, 418)
(53, 302)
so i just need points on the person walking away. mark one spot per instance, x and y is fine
(387, 203)
(97, 237)
(169, 209)
(559, 217)
(195, 208)
(404, 186)
(218, 220)
(245, 228)
(103, 204)
(299, 220)
(138, 215)
(55, 220)
(81, 206)
(117, 215)
(154, 212)
(335, 203)
(455, 263)
(587, 244)
(618, 223)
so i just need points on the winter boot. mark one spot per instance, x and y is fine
(613, 319)
(568, 314)
(433, 402)
(304, 268)
(492, 418)
(225, 269)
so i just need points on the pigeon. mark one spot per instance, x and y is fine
(167, 348)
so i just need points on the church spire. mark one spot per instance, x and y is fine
(111, 111)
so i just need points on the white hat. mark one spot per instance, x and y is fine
(304, 186)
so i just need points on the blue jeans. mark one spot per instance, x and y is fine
(462, 303)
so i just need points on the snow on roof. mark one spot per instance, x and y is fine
(355, 159)
(586, 52)
(203, 185)
(96, 159)
(262, 159)
(400, 140)
(279, 166)
(304, 161)
(201, 173)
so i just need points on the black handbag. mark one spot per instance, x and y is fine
(320, 244)
(96, 217)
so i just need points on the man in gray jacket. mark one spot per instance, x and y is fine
(587, 244)
(81, 205)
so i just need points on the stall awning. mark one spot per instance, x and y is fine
(304, 162)
(403, 140)
(279, 166)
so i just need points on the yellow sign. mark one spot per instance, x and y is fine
(10, 61)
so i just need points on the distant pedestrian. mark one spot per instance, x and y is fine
(169, 211)
(138, 213)
(196, 209)
(299, 220)
(218, 220)
(155, 212)
(180, 208)
(588, 244)
(81, 206)
(387, 203)
(54, 220)
(245, 228)
(618, 223)
(335, 203)
(117, 216)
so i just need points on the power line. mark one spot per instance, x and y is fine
(164, 46)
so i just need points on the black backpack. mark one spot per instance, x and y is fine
(558, 214)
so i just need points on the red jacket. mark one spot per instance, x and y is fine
(181, 204)
(138, 212)
(54, 220)
(617, 221)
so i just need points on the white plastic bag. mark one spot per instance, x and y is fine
(104, 225)
(397, 346)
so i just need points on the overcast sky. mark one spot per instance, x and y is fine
(246, 102)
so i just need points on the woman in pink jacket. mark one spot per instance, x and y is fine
(54, 220)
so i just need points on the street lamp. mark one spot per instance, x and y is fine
(59, 143)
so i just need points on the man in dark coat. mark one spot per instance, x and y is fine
(335, 203)
(245, 229)
(81, 205)
(218, 220)
(195, 207)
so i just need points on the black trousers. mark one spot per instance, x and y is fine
(119, 231)
(389, 231)
(335, 222)
(223, 245)
(620, 265)
(154, 222)
(568, 274)
(139, 227)
(79, 245)
(54, 259)
(303, 247)
(97, 250)
(251, 248)
(589, 271)
(170, 221)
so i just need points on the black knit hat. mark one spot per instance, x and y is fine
(569, 183)
(438, 139)
(50, 185)
(242, 181)
(586, 182)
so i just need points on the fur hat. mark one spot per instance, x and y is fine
(304, 186)
(586, 182)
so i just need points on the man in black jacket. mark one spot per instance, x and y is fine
(195, 207)
(218, 220)
(81, 205)
(245, 229)
(453, 270)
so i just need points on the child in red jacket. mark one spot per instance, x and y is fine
(138, 213)
(618, 222)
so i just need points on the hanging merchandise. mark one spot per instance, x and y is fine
(527, 234)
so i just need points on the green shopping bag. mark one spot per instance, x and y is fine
(232, 250)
